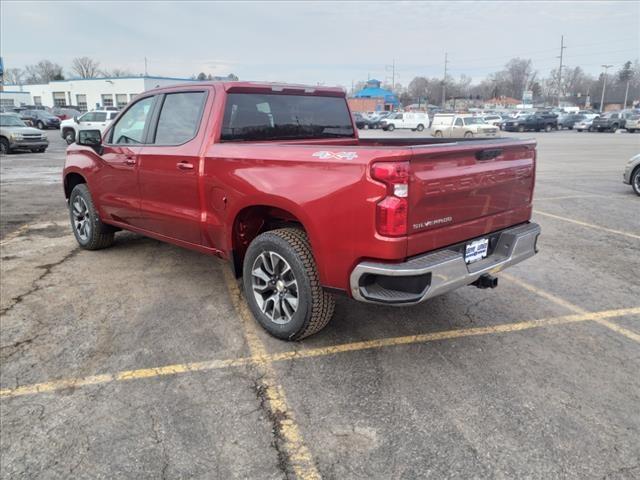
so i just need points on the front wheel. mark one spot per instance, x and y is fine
(4, 146)
(468, 135)
(438, 134)
(90, 232)
(69, 136)
(391, 127)
(548, 127)
(420, 128)
(282, 286)
(635, 180)
(40, 125)
(521, 129)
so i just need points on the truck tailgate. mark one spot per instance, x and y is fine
(465, 190)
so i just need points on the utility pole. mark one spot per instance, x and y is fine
(393, 75)
(145, 67)
(604, 85)
(444, 81)
(562, 47)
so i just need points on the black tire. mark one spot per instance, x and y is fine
(391, 127)
(69, 136)
(548, 127)
(438, 134)
(40, 125)
(420, 127)
(4, 146)
(314, 305)
(614, 127)
(468, 134)
(520, 129)
(635, 180)
(98, 235)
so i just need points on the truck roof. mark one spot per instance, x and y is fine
(260, 87)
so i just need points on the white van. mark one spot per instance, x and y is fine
(456, 126)
(413, 120)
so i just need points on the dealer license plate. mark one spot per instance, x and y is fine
(476, 250)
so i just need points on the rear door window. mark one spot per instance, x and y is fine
(180, 117)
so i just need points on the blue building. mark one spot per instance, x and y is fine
(374, 91)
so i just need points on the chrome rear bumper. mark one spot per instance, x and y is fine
(432, 274)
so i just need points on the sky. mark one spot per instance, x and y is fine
(330, 43)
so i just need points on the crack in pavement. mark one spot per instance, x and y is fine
(47, 268)
(275, 418)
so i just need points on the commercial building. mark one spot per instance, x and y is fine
(84, 93)
(373, 97)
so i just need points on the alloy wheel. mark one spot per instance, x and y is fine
(81, 218)
(275, 287)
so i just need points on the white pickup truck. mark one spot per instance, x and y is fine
(95, 120)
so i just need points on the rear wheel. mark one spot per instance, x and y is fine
(90, 232)
(521, 129)
(282, 286)
(420, 128)
(40, 125)
(614, 127)
(438, 133)
(468, 135)
(548, 127)
(391, 127)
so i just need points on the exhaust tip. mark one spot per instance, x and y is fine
(486, 281)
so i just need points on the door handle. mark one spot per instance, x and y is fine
(130, 161)
(185, 166)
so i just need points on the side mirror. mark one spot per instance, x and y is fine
(91, 138)
(75, 119)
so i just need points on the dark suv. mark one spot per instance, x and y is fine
(40, 118)
(611, 121)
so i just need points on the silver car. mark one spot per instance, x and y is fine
(631, 175)
(14, 135)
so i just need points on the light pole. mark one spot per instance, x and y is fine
(604, 85)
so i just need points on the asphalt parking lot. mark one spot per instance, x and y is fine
(140, 361)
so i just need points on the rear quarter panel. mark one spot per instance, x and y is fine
(334, 199)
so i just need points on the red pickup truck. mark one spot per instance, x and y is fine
(274, 179)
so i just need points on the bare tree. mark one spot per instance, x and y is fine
(43, 72)
(85, 67)
(14, 76)
(117, 73)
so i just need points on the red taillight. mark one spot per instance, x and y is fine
(391, 211)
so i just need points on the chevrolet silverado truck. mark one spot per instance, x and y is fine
(274, 179)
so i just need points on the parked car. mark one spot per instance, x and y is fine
(40, 119)
(360, 121)
(98, 119)
(535, 122)
(393, 222)
(632, 124)
(375, 121)
(568, 121)
(493, 119)
(64, 113)
(416, 121)
(612, 121)
(459, 126)
(585, 125)
(16, 135)
(631, 174)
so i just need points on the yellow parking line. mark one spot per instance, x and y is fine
(575, 308)
(617, 328)
(263, 358)
(588, 225)
(299, 455)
